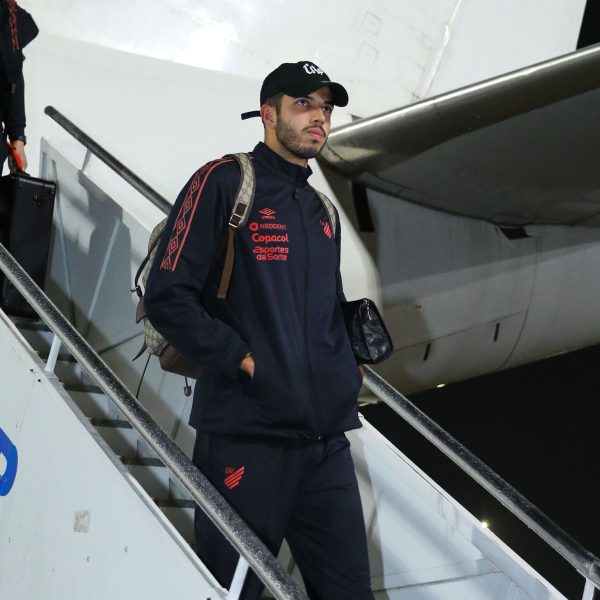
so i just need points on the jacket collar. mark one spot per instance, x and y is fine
(280, 166)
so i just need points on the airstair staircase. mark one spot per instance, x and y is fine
(116, 432)
(77, 449)
(410, 523)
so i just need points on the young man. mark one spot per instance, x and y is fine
(279, 383)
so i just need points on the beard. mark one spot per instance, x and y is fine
(288, 138)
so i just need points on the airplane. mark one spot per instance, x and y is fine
(483, 208)
(462, 169)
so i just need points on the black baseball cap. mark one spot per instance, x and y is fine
(298, 79)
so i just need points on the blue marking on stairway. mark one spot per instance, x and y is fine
(9, 450)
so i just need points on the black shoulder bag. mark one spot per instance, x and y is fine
(369, 338)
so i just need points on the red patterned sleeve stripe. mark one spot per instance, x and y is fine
(12, 18)
(186, 213)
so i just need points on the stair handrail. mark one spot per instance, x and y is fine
(109, 160)
(584, 561)
(226, 519)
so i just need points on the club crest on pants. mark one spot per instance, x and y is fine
(233, 476)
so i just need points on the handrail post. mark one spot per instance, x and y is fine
(589, 591)
(237, 582)
(53, 355)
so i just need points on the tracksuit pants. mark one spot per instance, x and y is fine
(303, 491)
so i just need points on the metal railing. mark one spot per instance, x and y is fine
(240, 536)
(108, 159)
(586, 563)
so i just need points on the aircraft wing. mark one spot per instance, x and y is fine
(522, 148)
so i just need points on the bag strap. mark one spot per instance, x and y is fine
(142, 266)
(242, 206)
(241, 211)
(244, 197)
(153, 243)
(328, 204)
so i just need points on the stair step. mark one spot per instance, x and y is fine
(117, 423)
(69, 372)
(176, 490)
(65, 357)
(23, 323)
(119, 435)
(174, 503)
(37, 334)
(182, 518)
(142, 461)
(96, 405)
(143, 449)
(81, 387)
(154, 479)
(368, 399)
(92, 405)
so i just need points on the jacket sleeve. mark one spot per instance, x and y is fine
(25, 30)
(14, 119)
(177, 277)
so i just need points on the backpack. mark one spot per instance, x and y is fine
(154, 343)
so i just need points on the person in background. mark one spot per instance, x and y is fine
(17, 29)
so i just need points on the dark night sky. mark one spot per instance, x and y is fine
(538, 427)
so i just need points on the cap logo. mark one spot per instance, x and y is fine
(312, 69)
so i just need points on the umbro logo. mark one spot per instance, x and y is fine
(234, 476)
(267, 213)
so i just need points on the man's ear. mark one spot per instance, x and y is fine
(269, 116)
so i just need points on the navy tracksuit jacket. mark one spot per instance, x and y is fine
(273, 444)
(282, 304)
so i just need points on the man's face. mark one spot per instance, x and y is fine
(303, 124)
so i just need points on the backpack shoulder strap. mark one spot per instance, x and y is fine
(143, 271)
(242, 206)
(152, 244)
(244, 197)
(330, 209)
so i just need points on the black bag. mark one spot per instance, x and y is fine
(26, 208)
(369, 338)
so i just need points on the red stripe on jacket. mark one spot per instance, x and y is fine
(12, 19)
(184, 219)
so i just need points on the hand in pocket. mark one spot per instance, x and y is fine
(247, 365)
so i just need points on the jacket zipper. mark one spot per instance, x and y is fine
(313, 396)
